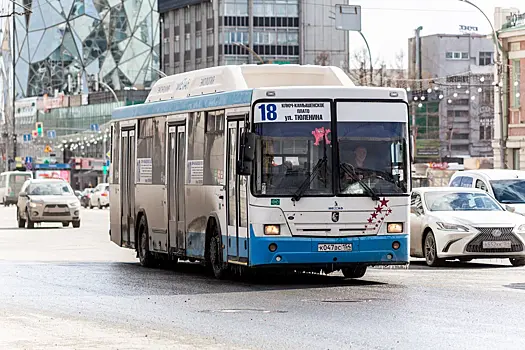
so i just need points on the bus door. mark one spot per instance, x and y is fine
(176, 174)
(127, 174)
(237, 197)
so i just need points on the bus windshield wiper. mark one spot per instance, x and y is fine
(306, 183)
(367, 188)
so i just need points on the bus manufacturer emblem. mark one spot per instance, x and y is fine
(335, 216)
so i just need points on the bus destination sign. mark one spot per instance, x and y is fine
(309, 111)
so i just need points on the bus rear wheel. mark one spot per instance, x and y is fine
(357, 271)
(145, 257)
(218, 267)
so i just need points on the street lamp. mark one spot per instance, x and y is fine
(499, 64)
(110, 89)
(250, 50)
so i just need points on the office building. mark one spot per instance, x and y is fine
(198, 34)
(459, 120)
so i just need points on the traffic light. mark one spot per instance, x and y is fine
(39, 129)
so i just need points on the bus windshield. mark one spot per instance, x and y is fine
(372, 157)
(291, 159)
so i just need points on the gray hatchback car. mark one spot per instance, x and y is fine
(47, 200)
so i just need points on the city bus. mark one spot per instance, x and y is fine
(250, 167)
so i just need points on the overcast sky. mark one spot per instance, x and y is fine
(387, 24)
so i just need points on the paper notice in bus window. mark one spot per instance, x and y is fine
(144, 170)
(195, 170)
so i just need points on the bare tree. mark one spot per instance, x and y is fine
(322, 59)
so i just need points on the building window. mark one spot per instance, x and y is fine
(486, 58)
(187, 15)
(456, 55)
(235, 37)
(166, 47)
(198, 41)
(209, 12)
(176, 44)
(458, 79)
(187, 43)
(209, 38)
(515, 83)
(486, 128)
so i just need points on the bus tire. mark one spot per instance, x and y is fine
(218, 267)
(145, 257)
(357, 271)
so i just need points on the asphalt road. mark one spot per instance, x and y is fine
(66, 288)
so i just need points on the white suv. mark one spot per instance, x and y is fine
(506, 186)
(100, 197)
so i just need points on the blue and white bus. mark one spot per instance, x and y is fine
(263, 166)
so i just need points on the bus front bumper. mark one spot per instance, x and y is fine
(304, 251)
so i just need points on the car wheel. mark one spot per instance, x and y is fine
(218, 267)
(356, 271)
(145, 257)
(90, 205)
(76, 224)
(431, 251)
(30, 223)
(65, 224)
(21, 222)
(99, 204)
(517, 262)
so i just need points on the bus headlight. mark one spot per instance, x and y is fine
(272, 230)
(394, 227)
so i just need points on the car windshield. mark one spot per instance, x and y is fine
(20, 179)
(294, 155)
(460, 201)
(49, 189)
(509, 191)
(372, 154)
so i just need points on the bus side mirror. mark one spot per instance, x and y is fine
(245, 164)
(248, 146)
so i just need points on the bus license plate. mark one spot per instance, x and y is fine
(497, 244)
(340, 247)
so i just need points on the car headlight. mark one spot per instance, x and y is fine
(33, 204)
(451, 227)
(272, 230)
(521, 228)
(74, 204)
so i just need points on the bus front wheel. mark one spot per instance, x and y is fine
(357, 271)
(219, 268)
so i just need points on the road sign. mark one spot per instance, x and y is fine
(35, 134)
(27, 137)
(48, 149)
(108, 154)
(52, 134)
(348, 17)
(94, 127)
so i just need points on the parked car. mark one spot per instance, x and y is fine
(86, 196)
(463, 223)
(100, 197)
(46, 200)
(507, 186)
(10, 184)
